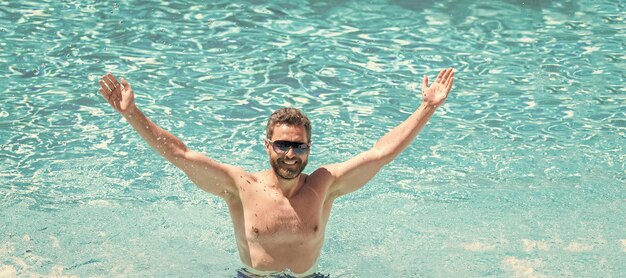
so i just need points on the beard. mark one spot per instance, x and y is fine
(287, 173)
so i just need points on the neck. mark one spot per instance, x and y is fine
(288, 187)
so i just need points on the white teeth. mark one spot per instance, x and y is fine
(289, 162)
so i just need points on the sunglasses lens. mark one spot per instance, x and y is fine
(300, 148)
(283, 147)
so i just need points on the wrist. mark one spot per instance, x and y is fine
(131, 112)
(428, 106)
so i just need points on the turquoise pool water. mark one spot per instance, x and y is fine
(520, 174)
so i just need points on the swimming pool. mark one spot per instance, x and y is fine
(521, 173)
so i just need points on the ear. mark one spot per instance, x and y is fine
(267, 146)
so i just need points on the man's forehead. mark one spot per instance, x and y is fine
(286, 130)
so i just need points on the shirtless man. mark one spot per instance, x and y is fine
(280, 214)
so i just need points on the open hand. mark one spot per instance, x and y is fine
(437, 93)
(120, 96)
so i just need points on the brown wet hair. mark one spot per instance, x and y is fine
(289, 116)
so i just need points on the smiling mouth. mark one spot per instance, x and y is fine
(290, 162)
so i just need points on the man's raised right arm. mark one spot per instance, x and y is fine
(208, 174)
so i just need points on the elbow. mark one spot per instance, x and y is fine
(384, 155)
(176, 156)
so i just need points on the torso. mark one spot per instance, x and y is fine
(275, 232)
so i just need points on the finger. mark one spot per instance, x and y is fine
(109, 81)
(104, 84)
(108, 86)
(440, 76)
(110, 101)
(424, 84)
(117, 92)
(113, 79)
(103, 87)
(104, 93)
(125, 84)
(449, 76)
(104, 90)
(115, 103)
(115, 87)
(449, 85)
(107, 78)
(446, 75)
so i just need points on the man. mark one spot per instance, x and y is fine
(280, 215)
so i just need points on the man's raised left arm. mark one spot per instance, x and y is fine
(357, 171)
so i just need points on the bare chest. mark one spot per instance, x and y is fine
(271, 217)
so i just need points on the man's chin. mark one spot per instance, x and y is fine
(287, 174)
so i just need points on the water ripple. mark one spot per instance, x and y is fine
(537, 116)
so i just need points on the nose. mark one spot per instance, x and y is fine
(290, 153)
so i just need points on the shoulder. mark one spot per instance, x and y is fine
(322, 179)
(323, 173)
(241, 180)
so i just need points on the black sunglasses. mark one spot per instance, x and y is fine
(281, 146)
